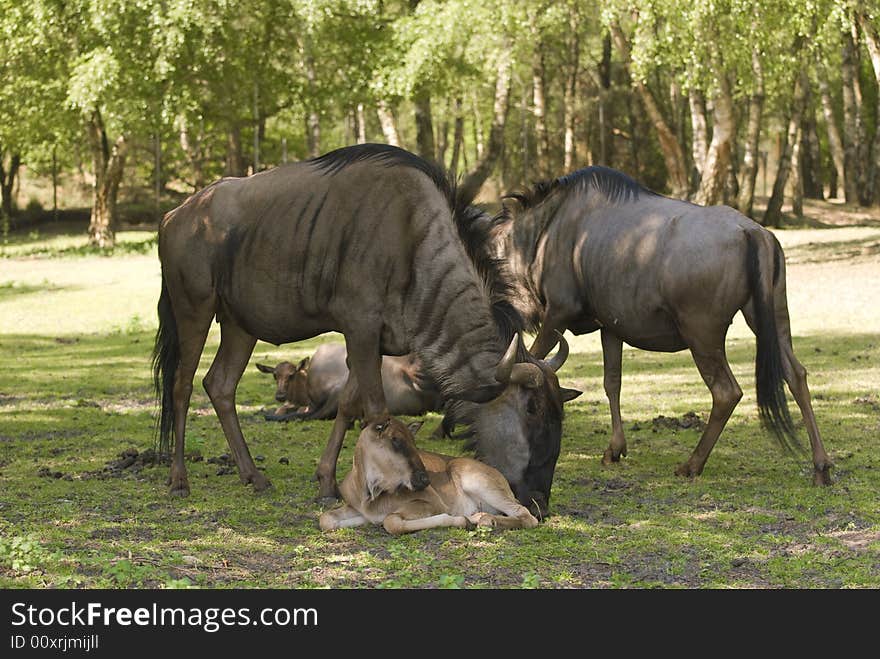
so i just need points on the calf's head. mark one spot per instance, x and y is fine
(387, 457)
(291, 382)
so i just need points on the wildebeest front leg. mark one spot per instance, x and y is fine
(726, 393)
(612, 356)
(235, 350)
(345, 414)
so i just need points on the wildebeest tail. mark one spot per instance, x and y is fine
(166, 356)
(769, 380)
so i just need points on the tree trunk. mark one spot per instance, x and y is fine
(424, 126)
(457, 138)
(361, 124)
(7, 182)
(835, 143)
(797, 176)
(388, 123)
(673, 155)
(749, 172)
(699, 131)
(872, 39)
(234, 156)
(474, 180)
(773, 214)
(811, 155)
(192, 147)
(850, 120)
(604, 93)
(109, 163)
(715, 167)
(539, 109)
(570, 96)
(313, 118)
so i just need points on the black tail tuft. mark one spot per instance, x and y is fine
(769, 380)
(166, 356)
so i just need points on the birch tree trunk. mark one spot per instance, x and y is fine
(539, 109)
(673, 155)
(773, 214)
(872, 40)
(473, 181)
(457, 137)
(749, 173)
(109, 163)
(850, 120)
(388, 123)
(7, 182)
(835, 143)
(715, 167)
(424, 126)
(570, 96)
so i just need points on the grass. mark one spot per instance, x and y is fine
(76, 333)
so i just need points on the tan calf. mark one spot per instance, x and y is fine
(394, 484)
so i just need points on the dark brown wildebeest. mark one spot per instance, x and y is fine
(594, 250)
(310, 389)
(394, 484)
(367, 241)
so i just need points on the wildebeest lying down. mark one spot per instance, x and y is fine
(366, 241)
(394, 484)
(311, 389)
(596, 250)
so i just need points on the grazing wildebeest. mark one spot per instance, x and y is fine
(366, 241)
(594, 250)
(394, 484)
(310, 390)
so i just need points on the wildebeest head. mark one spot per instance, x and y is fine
(520, 432)
(291, 382)
(387, 456)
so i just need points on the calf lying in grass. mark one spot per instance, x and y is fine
(394, 484)
(311, 389)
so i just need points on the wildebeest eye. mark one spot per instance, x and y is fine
(380, 427)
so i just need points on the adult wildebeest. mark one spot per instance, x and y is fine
(367, 241)
(594, 250)
(394, 484)
(310, 389)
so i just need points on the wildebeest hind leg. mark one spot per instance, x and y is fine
(726, 393)
(232, 357)
(612, 356)
(192, 331)
(796, 377)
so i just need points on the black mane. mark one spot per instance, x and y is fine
(614, 185)
(388, 155)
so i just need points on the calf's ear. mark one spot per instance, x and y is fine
(265, 369)
(414, 426)
(569, 394)
(304, 364)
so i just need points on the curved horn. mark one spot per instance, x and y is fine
(561, 355)
(505, 366)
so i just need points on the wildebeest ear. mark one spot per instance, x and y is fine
(303, 364)
(569, 394)
(414, 426)
(265, 369)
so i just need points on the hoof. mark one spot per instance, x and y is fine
(686, 471)
(482, 519)
(611, 456)
(259, 481)
(179, 490)
(326, 500)
(822, 475)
